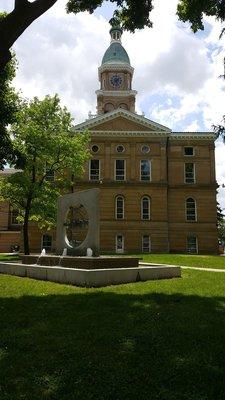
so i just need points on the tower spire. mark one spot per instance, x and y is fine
(115, 76)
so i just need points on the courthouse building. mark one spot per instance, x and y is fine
(157, 187)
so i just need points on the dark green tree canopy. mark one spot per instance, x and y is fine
(194, 10)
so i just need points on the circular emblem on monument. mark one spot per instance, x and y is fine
(77, 223)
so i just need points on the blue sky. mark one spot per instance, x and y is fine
(176, 72)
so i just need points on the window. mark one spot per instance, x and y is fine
(94, 173)
(119, 207)
(192, 244)
(146, 245)
(49, 174)
(145, 170)
(14, 215)
(189, 151)
(46, 242)
(190, 209)
(145, 149)
(120, 148)
(119, 243)
(189, 170)
(120, 170)
(95, 148)
(145, 208)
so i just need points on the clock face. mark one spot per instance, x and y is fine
(116, 80)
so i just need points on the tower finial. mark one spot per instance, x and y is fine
(116, 33)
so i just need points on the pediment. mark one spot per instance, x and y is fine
(121, 120)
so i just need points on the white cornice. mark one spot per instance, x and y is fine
(115, 67)
(129, 134)
(130, 116)
(193, 136)
(116, 93)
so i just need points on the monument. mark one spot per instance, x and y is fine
(78, 223)
(77, 261)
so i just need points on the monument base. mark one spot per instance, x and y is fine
(92, 277)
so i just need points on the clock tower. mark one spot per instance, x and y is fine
(115, 76)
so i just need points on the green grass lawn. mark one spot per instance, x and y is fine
(157, 340)
(7, 257)
(205, 261)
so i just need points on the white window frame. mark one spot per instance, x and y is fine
(42, 244)
(124, 175)
(142, 244)
(99, 175)
(186, 210)
(118, 250)
(188, 236)
(116, 206)
(194, 175)
(189, 155)
(150, 170)
(149, 208)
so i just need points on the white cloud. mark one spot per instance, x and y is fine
(61, 53)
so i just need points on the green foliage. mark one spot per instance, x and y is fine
(156, 340)
(130, 14)
(43, 136)
(193, 10)
(220, 130)
(9, 105)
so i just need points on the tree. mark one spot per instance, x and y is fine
(220, 223)
(42, 134)
(131, 13)
(194, 10)
(10, 104)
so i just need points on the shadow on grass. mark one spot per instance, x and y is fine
(104, 345)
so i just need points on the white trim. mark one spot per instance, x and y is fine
(149, 208)
(116, 244)
(196, 218)
(123, 213)
(115, 67)
(89, 175)
(115, 92)
(119, 180)
(120, 112)
(193, 135)
(148, 134)
(189, 183)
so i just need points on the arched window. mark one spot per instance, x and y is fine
(145, 207)
(109, 107)
(191, 209)
(119, 211)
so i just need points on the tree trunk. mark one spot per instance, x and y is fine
(16, 22)
(26, 245)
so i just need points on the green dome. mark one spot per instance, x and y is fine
(115, 53)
